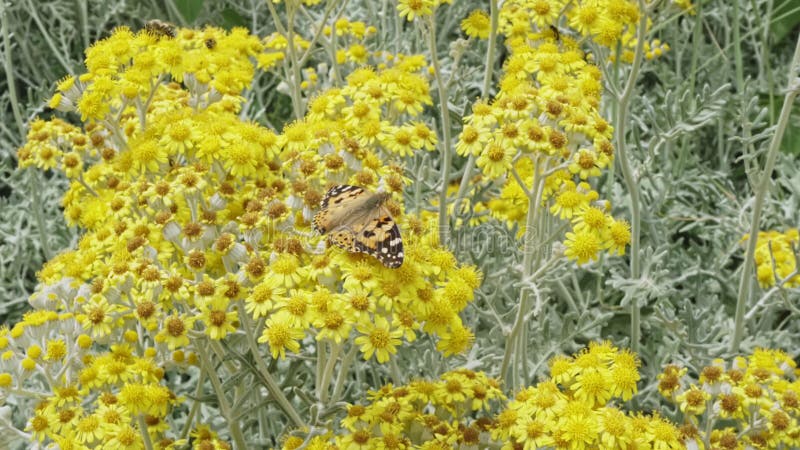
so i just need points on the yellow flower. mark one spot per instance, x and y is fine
(693, 401)
(378, 338)
(582, 246)
(216, 317)
(264, 296)
(619, 236)
(476, 25)
(281, 336)
(664, 435)
(569, 201)
(585, 164)
(40, 425)
(457, 341)
(97, 316)
(591, 219)
(175, 331)
(411, 9)
(577, 431)
(616, 429)
(545, 12)
(241, 159)
(495, 160)
(592, 386)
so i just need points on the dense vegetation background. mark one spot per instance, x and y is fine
(701, 119)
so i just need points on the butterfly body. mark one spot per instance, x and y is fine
(358, 221)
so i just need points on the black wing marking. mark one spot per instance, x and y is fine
(337, 191)
(382, 241)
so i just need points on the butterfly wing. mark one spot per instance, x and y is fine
(335, 205)
(380, 237)
(343, 238)
(355, 225)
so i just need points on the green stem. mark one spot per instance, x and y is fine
(34, 179)
(447, 151)
(297, 100)
(272, 386)
(321, 363)
(195, 406)
(745, 282)
(696, 38)
(32, 9)
(344, 369)
(737, 49)
(397, 376)
(327, 374)
(83, 14)
(514, 343)
(224, 406)
(148, 445)
(627, 173)
(8, 65)
(318, 33)
(487, 84)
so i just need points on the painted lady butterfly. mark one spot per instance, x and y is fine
(358, 221)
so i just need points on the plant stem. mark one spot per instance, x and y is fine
(514, 342)
(272, 386)
(328, 373)
(32, 9)
(148, 445)
(83, 15)
(297, 100)
(8, 65)
(487, 84)
(344, 368)
(745, 282)
(34, 182)
(224, 406)
(447, 151)
(737, 49)
(195, 406)
(318, 33)
(621, 117)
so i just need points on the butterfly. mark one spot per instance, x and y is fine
(358, 221)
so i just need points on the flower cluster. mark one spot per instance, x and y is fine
(573, 408)
(543, 138)
(570, 410)
(346, 36)
(440, 414)
(606, 22)
(198, 227)
(751, 402)
(83, 396)
(776, 258)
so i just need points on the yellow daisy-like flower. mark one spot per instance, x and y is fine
(411, 9)
(175, 331)
(281, 336)
(693, 401)
(619, 236)
(264, 297)
(568, 202)
(477, 25)
(495, 160)
(218, 320)
(97, 317)
(586, 164)
(545, 12)
(378, 338)
(582, 246)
